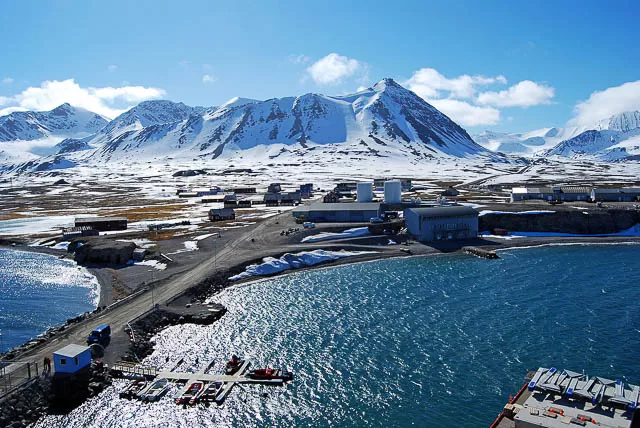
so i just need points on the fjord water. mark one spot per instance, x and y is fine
(431, 341)
(38, 291)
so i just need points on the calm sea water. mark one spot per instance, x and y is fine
(38, 291)
(436, 341)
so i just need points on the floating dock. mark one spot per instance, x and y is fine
(137, 372)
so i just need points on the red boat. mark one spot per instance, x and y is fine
(190, 395)
(233, 365)
(268, 373)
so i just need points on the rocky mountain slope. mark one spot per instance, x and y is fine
(62, 121)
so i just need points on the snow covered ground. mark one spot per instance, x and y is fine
(326, 236)
(288, 261)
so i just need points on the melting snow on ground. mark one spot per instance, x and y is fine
(293, 261)
(152, 263)
(325, 236)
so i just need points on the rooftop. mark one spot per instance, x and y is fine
(561, 397)
(444, 211)
(72, 350)
(98, 219)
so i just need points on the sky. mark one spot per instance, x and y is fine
(505, 66)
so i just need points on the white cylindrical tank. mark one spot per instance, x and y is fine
(393, 192)
(365, 192)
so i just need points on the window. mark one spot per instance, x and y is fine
(76, 360)
(63, 361)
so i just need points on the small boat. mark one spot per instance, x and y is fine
(154, 391)
(233, 365)
(210, 391)
(133, 389)
(268, 373)
(190, 393)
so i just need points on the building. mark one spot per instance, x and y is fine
(71, 359)
(442, 222)
(551, 193)
(337, 212)
(245, 203)
(243, 190)
(274, 188)
(306, 190)
(378, 183)
(624, 194)
(221, 214)
(213, 199)
(563, 398)
(102, 224)
(450, 191)
(278, 199)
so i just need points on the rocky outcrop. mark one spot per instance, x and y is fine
(588, 222)
(102, 251)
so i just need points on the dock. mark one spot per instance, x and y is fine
(129, 370)
(481, 252)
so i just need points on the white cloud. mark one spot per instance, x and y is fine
(107, 101)
(467, 114)
(429, 83)
(604, 104)
(299, 59)
(4, 100)
(112, 68)
(460, 97)
(208, 78)
(523, 94)
(333, 68)
(7, 80)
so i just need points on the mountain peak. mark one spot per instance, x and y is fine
(385, 83)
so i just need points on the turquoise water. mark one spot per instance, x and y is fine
(38, 291)
(433, 341)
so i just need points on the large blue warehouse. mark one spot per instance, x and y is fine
(442, 222)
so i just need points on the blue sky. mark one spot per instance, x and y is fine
(499, 65)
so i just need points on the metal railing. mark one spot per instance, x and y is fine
(15, 374)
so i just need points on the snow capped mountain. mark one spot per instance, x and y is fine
(527, 143)
(384, 121)
(613, 139)
(384, 118)
(62, 121)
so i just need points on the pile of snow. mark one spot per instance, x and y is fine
(152, 263)
(293, 261)
(325, 236)
(61, 245)
(484, 212)
(191, 245)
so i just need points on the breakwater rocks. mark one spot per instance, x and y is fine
(151, 324)
(481, 252)
(46, 395)
(593, 221)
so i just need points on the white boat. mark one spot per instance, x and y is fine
(154, 391)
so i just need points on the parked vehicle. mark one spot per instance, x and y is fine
(101, 335)
(376, 220)
(308, 225)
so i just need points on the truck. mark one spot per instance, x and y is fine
(101, 334)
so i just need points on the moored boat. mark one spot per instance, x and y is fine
(233, 365)
(190, 393)
(268, 373)
(154, 391)
(133, 389)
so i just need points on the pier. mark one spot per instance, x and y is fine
(481, 252)
(139, 372)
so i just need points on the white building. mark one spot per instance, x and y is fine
(442, 222)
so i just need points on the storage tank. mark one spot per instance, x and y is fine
(393, 192)
(365, 192)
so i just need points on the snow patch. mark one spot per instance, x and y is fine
(272, 265)
(325, 236)
(484, 212)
